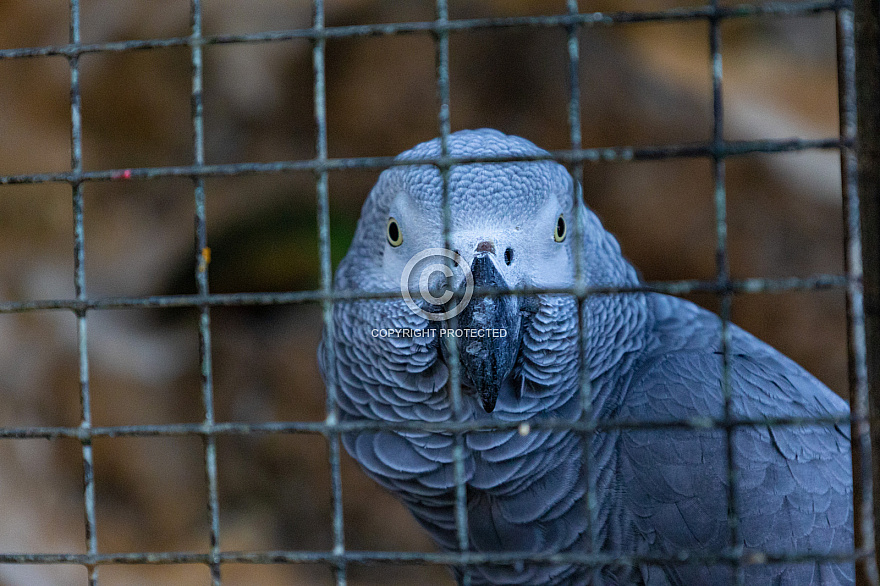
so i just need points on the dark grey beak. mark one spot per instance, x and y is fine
(488, 359)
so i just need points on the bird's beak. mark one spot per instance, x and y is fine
(488, 354)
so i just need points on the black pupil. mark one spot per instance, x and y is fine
(508, 256)
(560, 227)
(393, 231)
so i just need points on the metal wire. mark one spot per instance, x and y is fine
(202, 258)
(435, 27)
(573, 23)
(750, 285)
(587, 412)
(441, 44)
(80, 292)
(427, 559)
(719, 170)
(323, 195)
(584, 427)
(852, 175)
(596, 155)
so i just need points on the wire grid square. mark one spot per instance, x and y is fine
(170, 499)
(125, 256)
(717, 150)
(29, 75)
(108, 111)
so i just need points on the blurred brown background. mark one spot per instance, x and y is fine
(641, 85)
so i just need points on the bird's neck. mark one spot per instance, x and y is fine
(615, 322)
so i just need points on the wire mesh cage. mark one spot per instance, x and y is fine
(161, 382)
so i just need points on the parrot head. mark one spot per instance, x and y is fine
(509, 228)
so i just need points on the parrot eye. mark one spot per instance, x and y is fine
(559, 232)
(395, 238)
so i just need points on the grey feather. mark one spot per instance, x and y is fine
(650, 358)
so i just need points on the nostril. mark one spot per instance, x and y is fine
(486, 246)
(508, 256)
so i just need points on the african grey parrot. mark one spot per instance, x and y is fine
(650, 357)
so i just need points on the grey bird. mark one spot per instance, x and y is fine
(648, 358)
